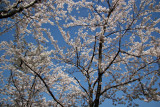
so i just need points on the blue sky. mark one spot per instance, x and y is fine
(141, 104)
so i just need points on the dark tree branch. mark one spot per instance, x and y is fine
(47, 87)
(14, 10)
(142, 67)
(32, 91)
(126, 83)
(17, 89)
(9, 28)
(93, 54)
(100, 73)
(109, 5)
(130, 54)
(142, 87)
(114, 57)
(81, 85)
(122, 84)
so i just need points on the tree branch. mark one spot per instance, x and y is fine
(114, 57)
(100, 73)
(81, 86)
(93, 54)
(125, 83)
(14, 10)
(115, 86)
(47, 87)
(17, 89)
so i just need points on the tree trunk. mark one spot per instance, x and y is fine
(100, 73)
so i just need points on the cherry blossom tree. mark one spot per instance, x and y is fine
(64, 53)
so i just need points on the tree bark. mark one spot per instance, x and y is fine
(13, 11)
(100, 73)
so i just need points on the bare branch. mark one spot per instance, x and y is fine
(16, 10)
(126, 83)
(122, 84)
(93, 54)
(81, 86)
(47, 87)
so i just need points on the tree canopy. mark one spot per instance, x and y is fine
(64, 53)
